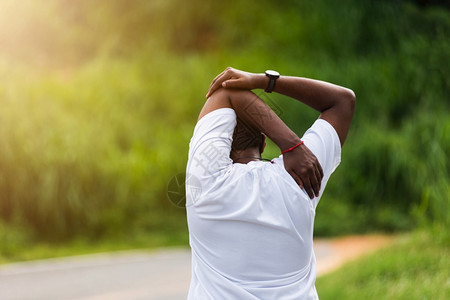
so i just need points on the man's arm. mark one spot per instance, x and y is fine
(335, 103)
(300, 163)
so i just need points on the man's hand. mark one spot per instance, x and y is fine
(236, 79)
(304, 167)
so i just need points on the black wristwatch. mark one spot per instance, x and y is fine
(273, 76)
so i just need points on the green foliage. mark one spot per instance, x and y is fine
(415, 267)
(19, 245)
(14, 240)
(97, 118)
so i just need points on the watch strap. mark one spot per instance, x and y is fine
(272, 80)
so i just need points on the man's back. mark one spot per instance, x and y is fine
(250, 225)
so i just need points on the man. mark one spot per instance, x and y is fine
(250, 221)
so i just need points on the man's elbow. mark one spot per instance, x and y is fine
(349, 99)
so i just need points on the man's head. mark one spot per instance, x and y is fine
(247, 141)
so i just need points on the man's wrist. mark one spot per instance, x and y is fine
(291, 148)
(289, 140)
(260, 81)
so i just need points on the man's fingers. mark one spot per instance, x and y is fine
(315, 184)
(308, 177)
(308, 188)
(219, 80)
(319, 167)
(215, 79)
(303, 183)
(231, 83)
(211, 90)
(318, 175)
(319, 180)
(296, 178)
(316, 180)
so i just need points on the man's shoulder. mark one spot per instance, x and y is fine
(219, 121)
(323, 126)
(323, 141)
(213, 114)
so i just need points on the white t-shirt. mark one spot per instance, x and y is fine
(250, 225)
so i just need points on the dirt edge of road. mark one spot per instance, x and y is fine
(348, 248)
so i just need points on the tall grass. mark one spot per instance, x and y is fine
(92, 153)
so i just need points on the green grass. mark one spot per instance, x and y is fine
(414, 267)
(18, 245)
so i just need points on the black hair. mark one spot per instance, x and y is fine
(246, 136)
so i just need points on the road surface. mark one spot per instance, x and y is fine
(137, 275)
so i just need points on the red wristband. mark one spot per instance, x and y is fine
(292, 148)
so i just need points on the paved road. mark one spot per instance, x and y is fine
(131, 275)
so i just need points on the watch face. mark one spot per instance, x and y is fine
(272, 73)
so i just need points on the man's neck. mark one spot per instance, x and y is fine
(245, 156)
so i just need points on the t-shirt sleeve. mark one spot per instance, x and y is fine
(210, 146)
(323, 140)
